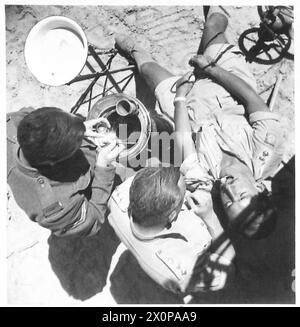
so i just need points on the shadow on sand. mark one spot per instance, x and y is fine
(130, 285)
(82, 264)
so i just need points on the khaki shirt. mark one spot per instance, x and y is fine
(207, 97)
(176, 258)
(258, 143)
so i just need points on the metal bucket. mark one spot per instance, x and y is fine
(56, 50)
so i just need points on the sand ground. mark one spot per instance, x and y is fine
(43, 270)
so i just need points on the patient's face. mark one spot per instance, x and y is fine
(237, 193)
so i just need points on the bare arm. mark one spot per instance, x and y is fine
(183, 130)
(215, 268)
(233, 84)
(201, 203)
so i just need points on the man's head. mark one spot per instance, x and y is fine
(248, 205)
(156, 196)
(49, 135)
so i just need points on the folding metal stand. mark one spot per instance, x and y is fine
(105, 70)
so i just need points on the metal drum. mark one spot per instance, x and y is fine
(121, 109)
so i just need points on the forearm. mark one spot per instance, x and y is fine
(91, 215)
(238, 88)
(101, 189)
(183, 130)
(221, 244)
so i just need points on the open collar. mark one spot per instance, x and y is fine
(165, 233)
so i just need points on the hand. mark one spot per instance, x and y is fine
(101, 135)
(104, 139)
(203, 181)
(184, 84)
(200, 61)
(90, 126)
(200, 202)
(107, 154)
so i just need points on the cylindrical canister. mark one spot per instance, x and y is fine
(125, 107)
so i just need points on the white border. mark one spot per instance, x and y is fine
(3, 218)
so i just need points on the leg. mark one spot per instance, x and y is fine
(214, 30)
(159, 80)
(149, 70)
(153, 74)
(213, 33)
(205, 11)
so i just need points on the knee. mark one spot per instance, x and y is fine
(148, 68)
(217, 21)
(145, 67)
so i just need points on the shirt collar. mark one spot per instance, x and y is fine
(165, 233)
(24, 166)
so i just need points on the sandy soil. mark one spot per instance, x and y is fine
(43, 270)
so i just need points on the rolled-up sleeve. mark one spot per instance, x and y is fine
(267, 128)
(101, 189)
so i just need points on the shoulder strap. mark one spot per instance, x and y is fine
(49, 203)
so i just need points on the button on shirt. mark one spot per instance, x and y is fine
(257, 143)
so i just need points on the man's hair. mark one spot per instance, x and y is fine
(154, 195)
(49, 135)
(262, 208)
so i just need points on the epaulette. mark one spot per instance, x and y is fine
(49, 203)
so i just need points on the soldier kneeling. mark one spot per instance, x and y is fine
(60, 177)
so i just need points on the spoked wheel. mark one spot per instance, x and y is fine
(267, 52)
(284, 14)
